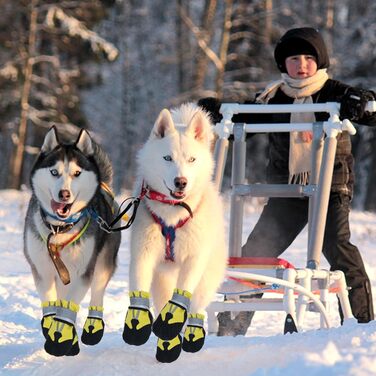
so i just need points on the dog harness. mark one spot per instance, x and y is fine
(169, 233)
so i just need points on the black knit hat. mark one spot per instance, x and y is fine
(301, 41)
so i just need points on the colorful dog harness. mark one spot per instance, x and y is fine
(169, 233)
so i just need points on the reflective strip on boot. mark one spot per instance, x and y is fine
(196, 319)
(139, 299)
(49, 307)
(95, 312)
(67, 311)
(182, 298)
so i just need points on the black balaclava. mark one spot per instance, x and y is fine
(301, 41)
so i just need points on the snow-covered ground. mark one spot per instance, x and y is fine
(347, 350)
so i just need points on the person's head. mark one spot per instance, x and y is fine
(300, 52)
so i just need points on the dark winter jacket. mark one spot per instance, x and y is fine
(279, 143)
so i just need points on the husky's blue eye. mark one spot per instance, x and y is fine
(191, 160)
(167, 158)
(77, 173)
(54, 172)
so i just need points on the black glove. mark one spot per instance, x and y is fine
(353, 104)
(211, 105)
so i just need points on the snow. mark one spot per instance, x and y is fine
(346, 350)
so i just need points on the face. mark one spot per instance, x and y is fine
(301, 66)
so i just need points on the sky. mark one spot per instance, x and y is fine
(340, 350)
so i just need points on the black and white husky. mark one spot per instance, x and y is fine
(67, 251)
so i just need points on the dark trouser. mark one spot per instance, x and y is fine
(282, 219)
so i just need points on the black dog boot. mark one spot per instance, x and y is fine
(168, 350)
(49, 311)
(62, 334)
(171, 319)
(94, 326)
(138, 320)
(194, 334)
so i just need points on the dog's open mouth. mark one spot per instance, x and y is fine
(179, 195)
(61, 209)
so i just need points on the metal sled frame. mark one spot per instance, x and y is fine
(297, 283)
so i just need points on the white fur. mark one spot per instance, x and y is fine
(200, 247)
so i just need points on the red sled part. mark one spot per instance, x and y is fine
(259, 263)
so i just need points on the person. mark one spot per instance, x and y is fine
(302, 59)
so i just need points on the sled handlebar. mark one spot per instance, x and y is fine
(334, 125)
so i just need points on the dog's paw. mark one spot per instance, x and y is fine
(171, 319)
(60, 338)
(168, 350)
(62, 335)
(138, 320)
(49, 311)
(93, 329)
(46, 324)
(194, 334)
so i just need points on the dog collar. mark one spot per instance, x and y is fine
(160, 197)
(70, 221)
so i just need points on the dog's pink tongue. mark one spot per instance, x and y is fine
(55, 206)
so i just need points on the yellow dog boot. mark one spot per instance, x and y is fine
(62, 337)
(94, 326)
(173, 315)
(168, 350)
(49, 311)
(194, 334)
(138, 320)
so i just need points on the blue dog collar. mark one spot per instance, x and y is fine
(74, 218)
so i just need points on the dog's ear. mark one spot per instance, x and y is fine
(163, 125)
(200, 127)
(51, 140)
(84, 143)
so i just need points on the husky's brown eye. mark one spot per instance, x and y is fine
(167, 158)
(77, 173)
(54, 172)
(191, 160)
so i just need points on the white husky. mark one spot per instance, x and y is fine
(178, 247)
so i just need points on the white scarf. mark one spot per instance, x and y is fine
(301, 90)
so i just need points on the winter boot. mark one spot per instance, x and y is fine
(62, 337)
(236, 326)
(94, 326)
(138, 320)
(171, 319)
(194, 334)
(49, 311)
(168, 350)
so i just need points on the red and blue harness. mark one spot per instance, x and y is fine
(167, 231)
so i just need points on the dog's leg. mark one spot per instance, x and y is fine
(94, 325)
(62, 337)
(138, 319)
(45, 284)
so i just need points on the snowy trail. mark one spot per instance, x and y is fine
(348, 350)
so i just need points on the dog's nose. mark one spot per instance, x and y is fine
(64, 195)
(180, 183)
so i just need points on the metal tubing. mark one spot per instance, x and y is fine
(321, 206)
(271, 190)
(236, 108)
(281, 282)
(288, 296)
(317, 149)
(237, 202)
(220, 157)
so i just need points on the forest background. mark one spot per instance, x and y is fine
(110, 66)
